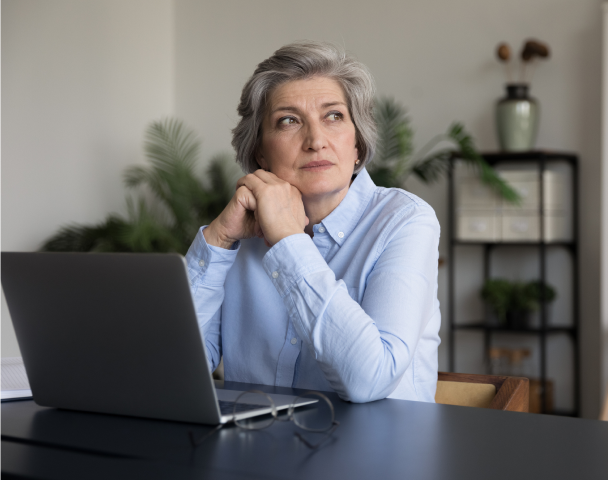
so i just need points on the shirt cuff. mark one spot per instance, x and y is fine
(291, 259)
(207, 264)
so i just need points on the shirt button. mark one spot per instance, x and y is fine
(341, 234)
(201, 263)
(321, 229)
(275, 274)
(294, 340)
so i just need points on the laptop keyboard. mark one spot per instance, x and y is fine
(227, 408)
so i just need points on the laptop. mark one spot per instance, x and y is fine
(116, 333)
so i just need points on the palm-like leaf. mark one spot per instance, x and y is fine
(395, 161)
(394, 148)
(181, 201)
(487, 174)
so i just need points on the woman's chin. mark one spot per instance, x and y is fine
(318, 190)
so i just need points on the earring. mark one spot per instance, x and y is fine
(357, 162)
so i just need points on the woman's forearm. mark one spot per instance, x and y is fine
(208, 267)
(363, 345)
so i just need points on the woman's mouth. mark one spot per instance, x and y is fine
(317, 166)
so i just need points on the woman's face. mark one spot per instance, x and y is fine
(308, 138)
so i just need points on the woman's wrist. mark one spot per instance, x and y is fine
(213, 236)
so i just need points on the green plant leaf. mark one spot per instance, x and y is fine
(172, 202)
(433, 167)
(395, 161)
(468, 152)
(390, 166)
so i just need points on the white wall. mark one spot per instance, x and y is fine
(81, 79)
(80, 82)
(436, 56)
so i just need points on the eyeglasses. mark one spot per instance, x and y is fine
(320, 419)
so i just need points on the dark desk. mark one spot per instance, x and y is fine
(380, 440)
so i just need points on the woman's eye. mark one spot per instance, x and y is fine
(335, 116)
(287, 121)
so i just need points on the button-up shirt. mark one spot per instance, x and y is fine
(353, 309)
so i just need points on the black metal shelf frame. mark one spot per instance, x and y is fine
(530, 330)
(541, 157)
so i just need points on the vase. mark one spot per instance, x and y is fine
(517, 119)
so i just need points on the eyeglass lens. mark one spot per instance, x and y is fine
(253, 401)
(316, 417)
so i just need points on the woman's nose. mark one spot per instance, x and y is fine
(315, 138)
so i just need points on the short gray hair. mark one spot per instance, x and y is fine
(296, 61)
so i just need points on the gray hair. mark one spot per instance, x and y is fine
(297, 61)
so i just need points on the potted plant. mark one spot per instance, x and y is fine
(512, 302)
(167, 202)
(496, 292)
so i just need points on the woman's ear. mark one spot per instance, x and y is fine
(261, 161)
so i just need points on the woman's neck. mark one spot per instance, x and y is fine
(318, 208)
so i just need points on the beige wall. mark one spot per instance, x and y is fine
(80, 82)
(82, 79)
(436, 56)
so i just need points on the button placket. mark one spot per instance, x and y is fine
(288, 357)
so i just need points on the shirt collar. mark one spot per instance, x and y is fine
(342, 221)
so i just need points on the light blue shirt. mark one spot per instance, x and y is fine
(353, 309)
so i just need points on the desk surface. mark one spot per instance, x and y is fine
(385, 439)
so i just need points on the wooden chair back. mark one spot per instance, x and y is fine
(483, 391)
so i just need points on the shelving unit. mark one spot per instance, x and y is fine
(542, 332)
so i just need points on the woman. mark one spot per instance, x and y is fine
(312, 276)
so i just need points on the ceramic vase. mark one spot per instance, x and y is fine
(517, 119)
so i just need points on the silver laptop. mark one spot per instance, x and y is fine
(115, 333)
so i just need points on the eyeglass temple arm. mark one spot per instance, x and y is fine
(335, 424)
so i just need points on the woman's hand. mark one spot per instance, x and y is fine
(264, 206)
(279, 210)
(236, 222)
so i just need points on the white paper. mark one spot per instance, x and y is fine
(13, 375)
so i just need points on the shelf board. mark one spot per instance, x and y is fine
(492, 157)
(500, 328)
(514, 244)
(563, 413)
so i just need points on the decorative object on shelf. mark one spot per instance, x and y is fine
(484, 216)
(517, 114)
(512, 362)
(180, 203)
(541, 206)
(517, 119)
(395, 159)
(512, 302)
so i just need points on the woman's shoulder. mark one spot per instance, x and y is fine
(400, 204)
